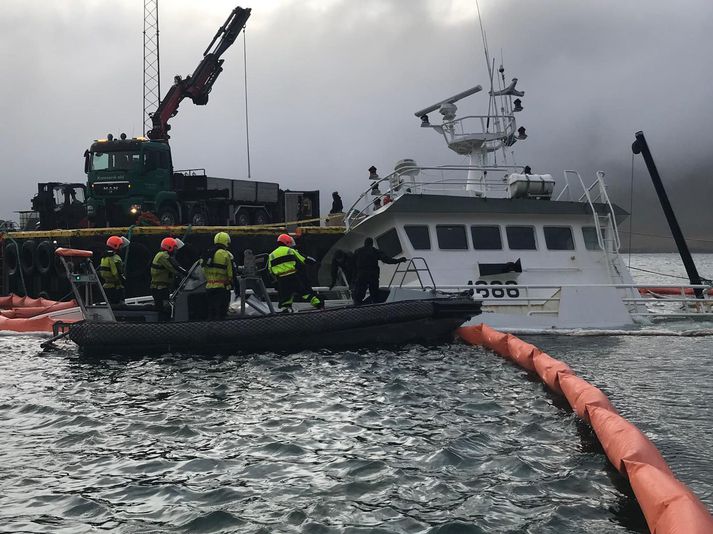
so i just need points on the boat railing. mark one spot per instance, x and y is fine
(491, 131)
(682, 299)
(416, 179)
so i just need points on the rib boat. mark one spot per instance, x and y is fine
(408, 316)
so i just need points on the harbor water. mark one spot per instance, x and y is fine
(446, 439)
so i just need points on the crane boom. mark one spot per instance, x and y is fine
(198, 85)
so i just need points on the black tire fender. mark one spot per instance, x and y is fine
(27, 257)
(44, 257)
(12, 258)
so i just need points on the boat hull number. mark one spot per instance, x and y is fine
(497, 289)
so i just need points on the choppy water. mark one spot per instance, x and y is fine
(447, 439)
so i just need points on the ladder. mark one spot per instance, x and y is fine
(86, 285)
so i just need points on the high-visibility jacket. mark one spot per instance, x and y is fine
(219, 270)
(283, 261)
(162, 271)
(111, 270)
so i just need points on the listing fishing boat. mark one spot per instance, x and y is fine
(408, 316)
(538, 262)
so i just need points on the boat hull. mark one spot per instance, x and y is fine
(376, 325)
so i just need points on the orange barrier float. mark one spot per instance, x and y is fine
(670, 291)
(26, 314)
(668, 505)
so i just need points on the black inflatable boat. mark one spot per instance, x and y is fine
(411, 316)
(375, 325)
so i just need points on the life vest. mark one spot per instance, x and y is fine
(162, 271)
(218, 270)
(111, 269)
(283, 261)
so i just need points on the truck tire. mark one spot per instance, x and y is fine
(44, 257)
(27, 257)
(199, 217)
(242, 217)
(168, 216)
(262, 217)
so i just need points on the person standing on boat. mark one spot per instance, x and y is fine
(218, 270)
(111, 269)
(164, 269)
(366, 261)
(285, 265)
(343, 261)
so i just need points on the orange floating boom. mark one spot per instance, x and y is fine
(668, 505)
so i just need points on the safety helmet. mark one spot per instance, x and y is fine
(286, 240)
(115, 242)
(171, 244)
(222, 238)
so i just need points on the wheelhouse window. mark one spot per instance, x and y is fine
(419, 236)
(559, 238)
(389, 243)
(521, 237)
(486, 237)
(589, 233)
(451, 237)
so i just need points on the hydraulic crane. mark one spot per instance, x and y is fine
(198, 85)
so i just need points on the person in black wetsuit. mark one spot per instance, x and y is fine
(344, 261)
(366, 261)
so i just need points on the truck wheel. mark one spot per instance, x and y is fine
(199, 218)
(168, 216)
(262, 217)
(242, 218)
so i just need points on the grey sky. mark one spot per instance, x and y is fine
(333, 85)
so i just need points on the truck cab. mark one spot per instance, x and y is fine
(126, 177)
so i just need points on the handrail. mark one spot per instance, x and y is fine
(411, 263)
(605, 196)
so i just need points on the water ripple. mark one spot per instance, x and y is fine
(422, 440)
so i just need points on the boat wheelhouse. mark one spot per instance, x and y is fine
(537, 261)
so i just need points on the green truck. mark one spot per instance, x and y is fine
(127, 177)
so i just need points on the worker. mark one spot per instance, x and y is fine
(366, 262)
(111, 269)
(164, 269)
(337, 205)
(219, 272)
(342, 261)
(285, 265)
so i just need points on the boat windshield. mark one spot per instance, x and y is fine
(112, 161)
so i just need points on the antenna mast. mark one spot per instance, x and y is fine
(152, 72)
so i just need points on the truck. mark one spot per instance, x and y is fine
(57, 205)
(130, 176)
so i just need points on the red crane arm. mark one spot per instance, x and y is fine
(198, 85)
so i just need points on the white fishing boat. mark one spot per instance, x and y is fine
(538, 261)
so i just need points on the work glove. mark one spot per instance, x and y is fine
(310, 259)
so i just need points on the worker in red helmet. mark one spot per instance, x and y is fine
(285, 265)
(164, 269)
(111, 269)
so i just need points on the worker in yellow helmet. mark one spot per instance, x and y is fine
(219, 272)
(285, 264)
(111, 269)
